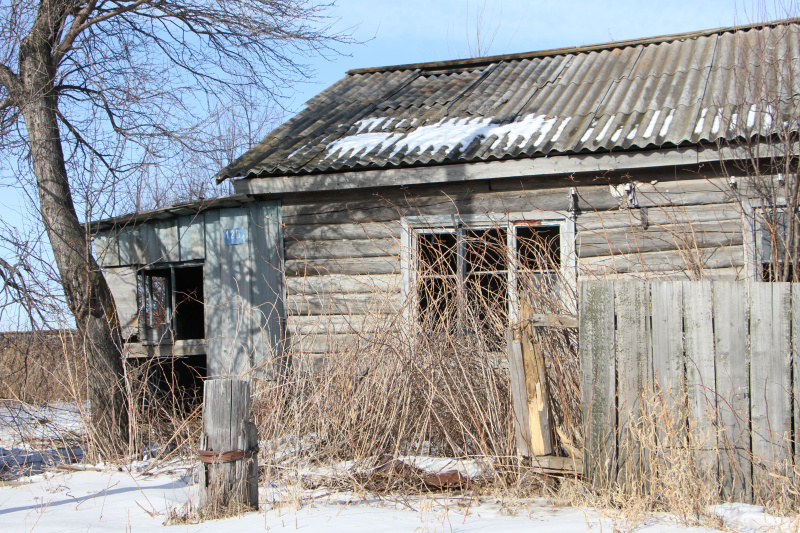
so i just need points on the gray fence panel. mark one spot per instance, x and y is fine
(725, 350)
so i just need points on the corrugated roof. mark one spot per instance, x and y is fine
(671, 90)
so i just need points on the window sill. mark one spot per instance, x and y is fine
(177, 349)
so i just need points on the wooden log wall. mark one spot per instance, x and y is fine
(711, 366)
(342, 250)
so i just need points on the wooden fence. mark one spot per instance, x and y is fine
(706, 371)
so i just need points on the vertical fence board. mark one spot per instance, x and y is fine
(731, 348)
(519, 394)
(698, 330)
(667, 331)
(227, 428)
(770, 383)
(634, 371)
(733, 405)
(598, 387)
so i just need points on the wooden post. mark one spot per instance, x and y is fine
(228, 448)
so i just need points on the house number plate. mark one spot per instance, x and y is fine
(233, 236)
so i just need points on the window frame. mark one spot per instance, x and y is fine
(412, 226)
(144, 313)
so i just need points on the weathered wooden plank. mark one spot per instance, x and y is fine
(538, 398)
(343, 284)
(352, 323)
(342, 304)
(522, 169)
(669, 382)
(598, 386)
(227, 428)
(675, 260)
(519, 394)
(315, 250)
(667, 341)
(634, 372)
(707, 274)
(553, 464)
(688, 237)
(179, 348)
(731, 310)
(348, 267)
(698, 330)
(332, 232)
(330, 343)
(191, 237)
(662, 215)
(770, 385)
(268, 309)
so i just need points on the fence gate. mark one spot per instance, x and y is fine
(705, 371)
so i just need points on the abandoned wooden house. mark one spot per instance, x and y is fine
(399, 189)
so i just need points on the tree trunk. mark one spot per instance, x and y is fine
(85, 288)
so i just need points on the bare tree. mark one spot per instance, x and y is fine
(114, 87)
(761, 113)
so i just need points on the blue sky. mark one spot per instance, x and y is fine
(413, 31)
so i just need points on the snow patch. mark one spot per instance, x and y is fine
(650, 127)
(701, 121)
(667, 122)
(451, 134)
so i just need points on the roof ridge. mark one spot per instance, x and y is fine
(457, 64)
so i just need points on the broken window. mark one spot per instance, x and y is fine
(170, 301)
(466, 278)
(777, 243)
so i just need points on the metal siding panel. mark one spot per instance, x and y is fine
(122, 283)
(127, 246)
(147, 247)
(214, 316)
(106, 249)
(267, 289)
(191, 236)
(236, 266)
(166, 234)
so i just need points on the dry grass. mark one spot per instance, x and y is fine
(41, 366)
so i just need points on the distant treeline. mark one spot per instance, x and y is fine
(42, 366)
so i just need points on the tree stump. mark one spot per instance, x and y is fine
(228, 449)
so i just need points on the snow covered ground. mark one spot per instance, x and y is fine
(37, 444)
(114, 500)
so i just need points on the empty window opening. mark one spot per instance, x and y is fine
(171, 304)
(189, 321)
(779, 246)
